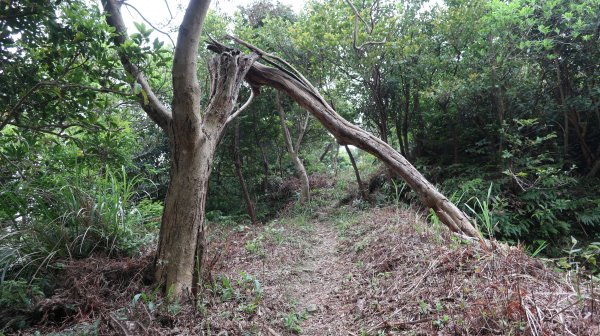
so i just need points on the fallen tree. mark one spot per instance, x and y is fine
(283, 77)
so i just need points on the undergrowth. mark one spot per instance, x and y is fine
(69, 217)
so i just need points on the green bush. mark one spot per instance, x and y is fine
(18, 294)
(535, 199)
(74, 216)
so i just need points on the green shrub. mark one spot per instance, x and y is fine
(18, 294)
(74, 216)
(535, 199)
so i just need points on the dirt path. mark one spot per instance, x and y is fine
(320, 283)
(302, 274)
(341, 273)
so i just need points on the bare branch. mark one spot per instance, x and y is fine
(241, 109)
(301, 131)
(150, 23)
(368, 26)
(169, 9)
(286, 132)
(358, 16)
(148, 100)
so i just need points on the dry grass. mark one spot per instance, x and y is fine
(412, 278)
(377, 272)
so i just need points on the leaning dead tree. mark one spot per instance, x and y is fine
(283, 77)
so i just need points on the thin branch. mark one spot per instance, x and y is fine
(17, 168)
(302, 130)
(358, 17)
(286, 133)
(15, 109)
(241, 109)
(150, 23)
(90, 88)
(148, 100)
(169, 9)
(78, 142)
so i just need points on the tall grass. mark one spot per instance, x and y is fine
(74, 217)
(483, 213)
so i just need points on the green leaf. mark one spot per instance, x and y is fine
(137, 88)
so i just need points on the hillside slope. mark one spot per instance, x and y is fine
(384, 271)
(335, 271)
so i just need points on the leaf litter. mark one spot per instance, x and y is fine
(343, 271)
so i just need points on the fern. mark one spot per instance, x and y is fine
(590, 216)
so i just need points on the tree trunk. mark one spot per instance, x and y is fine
(497, 97)
(406, 119)
(381, 108)
(237, 160)
(182, 225)
(571, 116)
(264, 160)
(293, 152)
(334, 159)
(361, 187)
(565, 110)
(327, 149)
(304, 94)
(418, 115)
(193, 145)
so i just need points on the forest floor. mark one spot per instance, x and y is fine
(333, 270)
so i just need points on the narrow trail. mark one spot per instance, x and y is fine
(302, 277)
(319, 285)
(336, 272)
(363, 273)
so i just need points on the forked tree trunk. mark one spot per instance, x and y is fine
(346, 133)
(193, 138)
(193, 145)
(293, 150)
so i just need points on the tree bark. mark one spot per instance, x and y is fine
(193, 145)
(293, 152)
(296, 86)
(193, 138)
(361, 187)
(237, 159)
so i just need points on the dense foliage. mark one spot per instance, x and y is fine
(498, 102)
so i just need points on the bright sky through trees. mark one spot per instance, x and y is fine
(165, 14)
